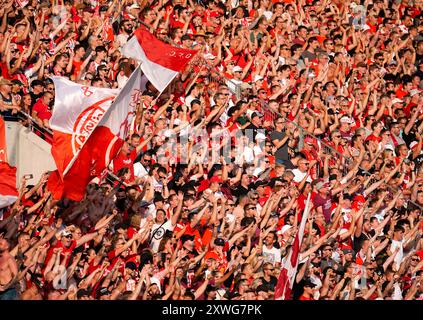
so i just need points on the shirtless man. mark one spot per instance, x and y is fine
(8, 273)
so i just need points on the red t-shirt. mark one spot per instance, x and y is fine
(43, 111)
(59, 244)
(125, 161)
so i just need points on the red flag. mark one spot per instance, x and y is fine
(8, 191)
(290, 262)
(161, 62)
(3, 151)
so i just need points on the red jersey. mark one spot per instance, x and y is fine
(43, 110)
(125, 161)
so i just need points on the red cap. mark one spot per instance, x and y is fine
(215, 179)
(359, 198)
(308, 140)
(214, 14)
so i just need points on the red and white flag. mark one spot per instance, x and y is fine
(3, 153)
(8, 191)
(77, 111)
(92, 130)
(160, 62)
(290, 262)
(21, 3)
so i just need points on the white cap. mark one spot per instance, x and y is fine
(237, 69)
(257, 78)
(343, 230)
(389, 147)
(260, 136)
(413, 144)
(346, 119)
(134, 6)
(284, 229)
(403, 28)
(396, 100)
(209, 56)
(414, 92)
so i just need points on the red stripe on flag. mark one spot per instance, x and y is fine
(3, 150)
(164, 54)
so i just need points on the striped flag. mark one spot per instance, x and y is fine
(290, 262)
(21, 3)
(160, 62)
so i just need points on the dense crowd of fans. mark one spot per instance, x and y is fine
(306, 97)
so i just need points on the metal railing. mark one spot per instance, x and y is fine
(29, 122)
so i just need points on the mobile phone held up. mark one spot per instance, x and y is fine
(28, 176)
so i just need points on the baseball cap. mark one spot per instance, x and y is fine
(187, 237)
(309, 283)
(219, 242)
(359, 198)
(284, 229)
(66, 233)
(37, 83)
(134, 6)
(245, 86)
(215, 179)
(308, 140)
(209, 56)
(257, 78)
(348, 251)
(256, 114)
(237, 69)
(413, 92)
(396, 100)
(322, 184)
(260, 136)
(259, 183)
(214, 14)
(17, 82)
(185, 37)
(346, 119)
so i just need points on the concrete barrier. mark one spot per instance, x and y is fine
(27, 152)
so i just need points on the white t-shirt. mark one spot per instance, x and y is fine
(400, 255)
(139, 170)
(157, 236)
(299, 176)
(272, 255)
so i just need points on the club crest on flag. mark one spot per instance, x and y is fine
(86, 122)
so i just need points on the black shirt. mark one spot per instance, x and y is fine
(271, 284)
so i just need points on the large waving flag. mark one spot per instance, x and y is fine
(8, 192)
(290, 262)
(95, 130)
(3, 154)
(77, 111)
(160, 61)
